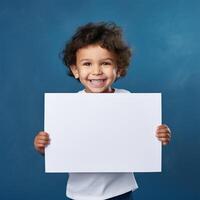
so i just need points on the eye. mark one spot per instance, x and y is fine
(106, 63)
(87, 64)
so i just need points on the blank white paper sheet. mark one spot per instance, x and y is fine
(106, 132)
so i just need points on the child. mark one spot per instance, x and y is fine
(97, 56)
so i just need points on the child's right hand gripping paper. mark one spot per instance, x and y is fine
(102, 132)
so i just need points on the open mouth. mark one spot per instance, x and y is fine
(97, 82)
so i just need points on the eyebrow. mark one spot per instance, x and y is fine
(87, 59)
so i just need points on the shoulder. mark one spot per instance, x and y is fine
(81, 91)
(121, 91)
(116, 91)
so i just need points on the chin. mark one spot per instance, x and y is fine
(97, 90)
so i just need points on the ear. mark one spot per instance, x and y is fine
(119, 71)
(74, 70)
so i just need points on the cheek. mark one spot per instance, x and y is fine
(111, 73)
(83, 74)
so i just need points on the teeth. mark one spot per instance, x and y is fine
(99, 80)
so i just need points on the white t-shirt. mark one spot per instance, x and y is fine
(99, 186)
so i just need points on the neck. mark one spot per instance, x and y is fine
(109, 90)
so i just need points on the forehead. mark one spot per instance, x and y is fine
(94, 52)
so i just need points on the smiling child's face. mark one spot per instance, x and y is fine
(96, 68)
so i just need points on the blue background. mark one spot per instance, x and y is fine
(165, 39)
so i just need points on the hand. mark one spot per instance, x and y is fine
(41, 141)
(163, 134)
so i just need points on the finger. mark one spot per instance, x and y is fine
(164, 135)
(162, 126)
(40, 145)
(42, 142)
(163, 132)
(43, 145)
(163, 129)
(42, 137)
(43, 133)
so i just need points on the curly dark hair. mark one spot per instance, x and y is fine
(107, 35)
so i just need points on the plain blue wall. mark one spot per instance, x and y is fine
(165, 39)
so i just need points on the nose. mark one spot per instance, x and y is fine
(96, 69)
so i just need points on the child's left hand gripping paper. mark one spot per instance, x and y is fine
(102, 132)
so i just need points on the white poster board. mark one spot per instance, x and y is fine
(112, 132)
